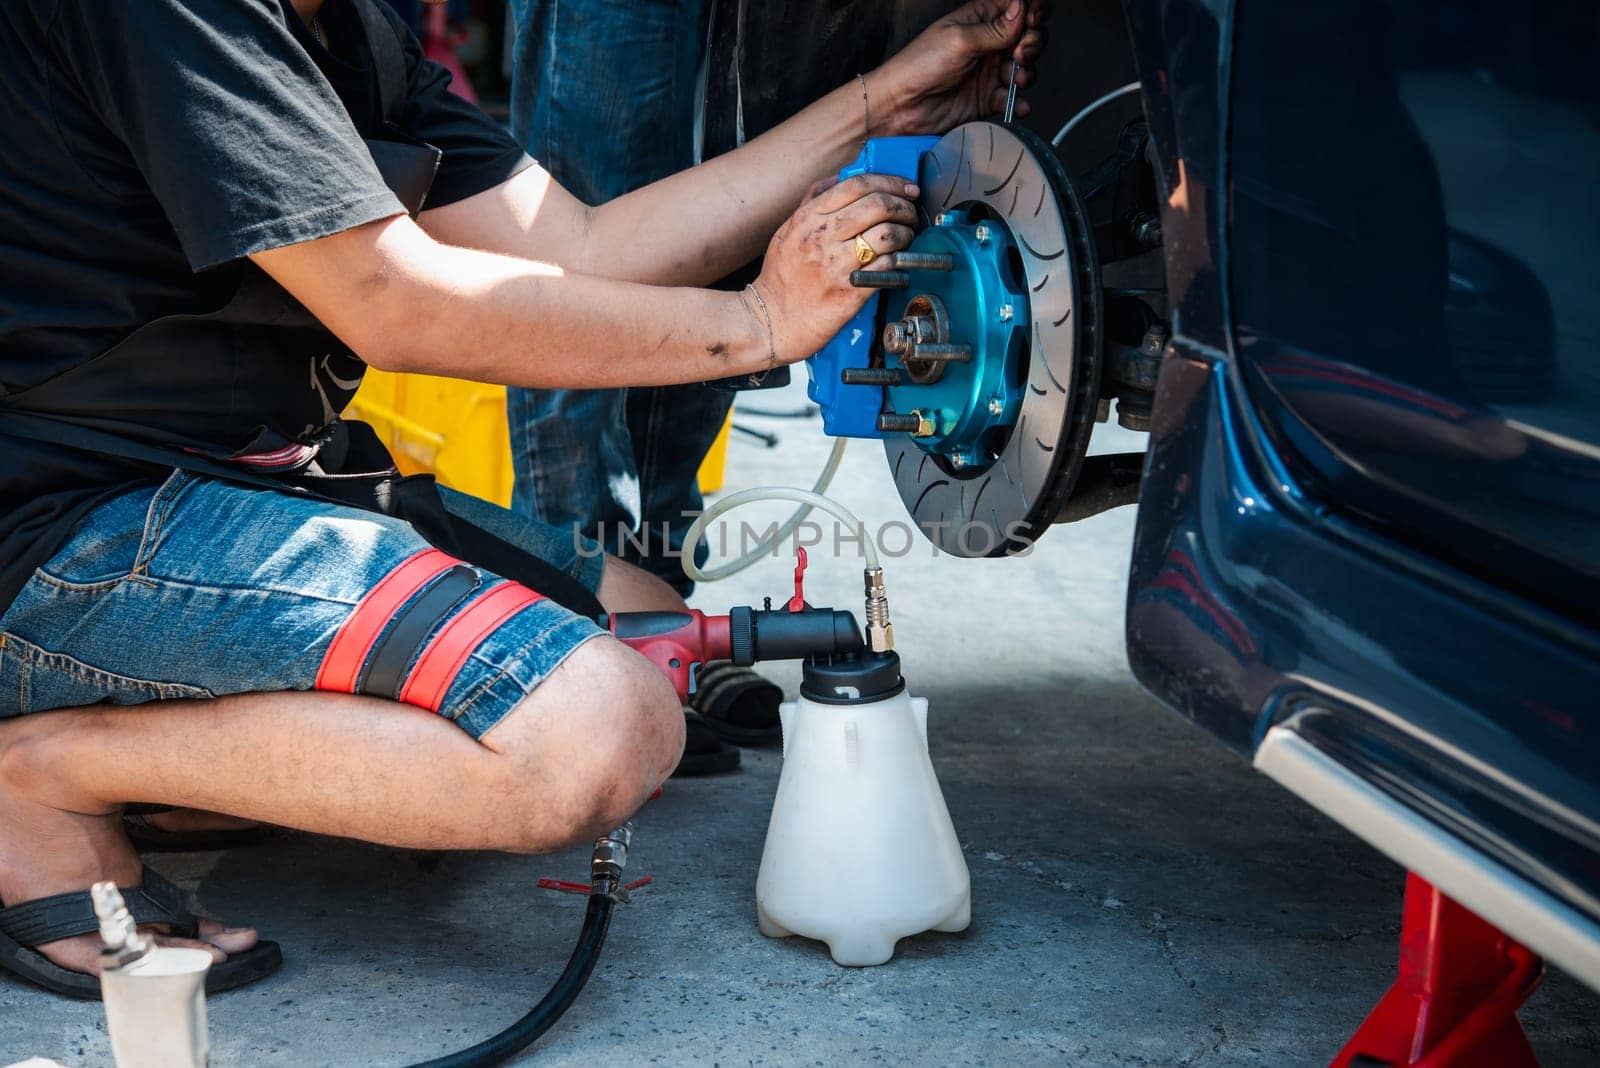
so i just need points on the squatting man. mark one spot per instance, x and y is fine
(215, 596)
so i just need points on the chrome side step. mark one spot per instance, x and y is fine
(1528, 913)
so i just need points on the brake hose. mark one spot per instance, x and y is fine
(766, 545)
(610, 857)
(1089, 108)
(807, 498)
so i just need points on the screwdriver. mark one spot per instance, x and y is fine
(1011, 90)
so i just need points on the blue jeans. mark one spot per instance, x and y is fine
(197, 588)
(603, 94)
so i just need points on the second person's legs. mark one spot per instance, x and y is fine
(603, 94)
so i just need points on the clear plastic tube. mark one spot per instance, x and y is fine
(807, 498)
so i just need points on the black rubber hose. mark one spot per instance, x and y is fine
(809, 411)
(522, 1034)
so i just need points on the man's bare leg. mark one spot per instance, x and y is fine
(575, 758)
(624, 587)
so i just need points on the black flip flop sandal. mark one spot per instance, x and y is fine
(738, 704)
(703, 752)
(154, 900)
(148, 838)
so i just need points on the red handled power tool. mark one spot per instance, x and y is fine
(680, 643)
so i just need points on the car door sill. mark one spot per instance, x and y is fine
(1528, 913)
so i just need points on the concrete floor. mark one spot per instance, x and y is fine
(1140, 895)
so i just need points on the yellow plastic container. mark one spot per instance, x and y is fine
(452, 429)
(456, 431)
(714, 468)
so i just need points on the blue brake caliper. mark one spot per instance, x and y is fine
(851, 411)
(956, 322)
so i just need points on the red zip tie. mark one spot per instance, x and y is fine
(583, 888)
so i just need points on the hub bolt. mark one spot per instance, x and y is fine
(918, 423)
(996, 406)
(870, 376)
(923, 329)
(1147, 231)
(935, 353)
(880, 279)
(943, 219)
(896, 338)
(981, 233)
(924, 261)
(1006, 313)
(957, 461)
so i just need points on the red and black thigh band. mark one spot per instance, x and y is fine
(397, 626)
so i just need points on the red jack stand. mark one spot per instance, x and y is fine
(1454, 1004)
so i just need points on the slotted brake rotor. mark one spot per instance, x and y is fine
(995, 343)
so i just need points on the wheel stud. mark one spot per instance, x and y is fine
(924, 261)
(870, 376)
(880, 279)
(918, 424)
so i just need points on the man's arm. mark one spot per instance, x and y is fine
(688, 229)
(699, 225)
(405, 302)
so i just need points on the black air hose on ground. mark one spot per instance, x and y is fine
(610, 856)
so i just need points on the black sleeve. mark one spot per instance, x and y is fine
(234, 129)
(479, 153)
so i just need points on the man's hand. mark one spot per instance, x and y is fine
(805, 280)
(958, 69)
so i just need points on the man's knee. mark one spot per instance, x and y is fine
(588, 747)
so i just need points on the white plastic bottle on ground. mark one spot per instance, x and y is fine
(860, 851)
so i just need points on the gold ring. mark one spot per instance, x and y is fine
(865, 253)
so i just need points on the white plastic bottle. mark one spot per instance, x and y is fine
(860, 851)
(155, 996)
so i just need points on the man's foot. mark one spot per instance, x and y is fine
(48, 848)
(739, 705)
(703, 752)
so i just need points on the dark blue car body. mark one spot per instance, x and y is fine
(1367, 553)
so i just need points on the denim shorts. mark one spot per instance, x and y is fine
(197, 588)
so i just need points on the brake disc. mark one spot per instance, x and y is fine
(995, 341)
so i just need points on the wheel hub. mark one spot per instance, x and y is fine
(957, 336)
